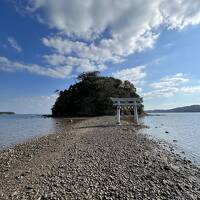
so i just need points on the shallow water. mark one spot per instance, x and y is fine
(180, 129)
(18, 128)
(183, 130)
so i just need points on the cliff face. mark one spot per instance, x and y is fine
(91, 96)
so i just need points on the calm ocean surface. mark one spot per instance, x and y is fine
(18, 128)
(180, 129)
(183, 130)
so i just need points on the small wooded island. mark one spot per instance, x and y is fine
(90, 96)
(7, 113)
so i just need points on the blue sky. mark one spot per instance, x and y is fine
(45, 44)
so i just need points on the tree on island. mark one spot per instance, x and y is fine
(90, 96)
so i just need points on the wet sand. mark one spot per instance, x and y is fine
(96, 159)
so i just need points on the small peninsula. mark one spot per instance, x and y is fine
(7, 113)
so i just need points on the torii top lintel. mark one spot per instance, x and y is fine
(126, 101)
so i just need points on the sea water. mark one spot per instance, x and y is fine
(15, 129)
(182, 130)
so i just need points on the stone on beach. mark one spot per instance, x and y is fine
(96, 159)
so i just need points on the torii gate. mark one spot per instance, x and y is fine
(132, 102)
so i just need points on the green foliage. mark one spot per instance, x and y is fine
(7, 113)
(91, 96)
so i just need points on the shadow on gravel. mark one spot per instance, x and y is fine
(106, 126)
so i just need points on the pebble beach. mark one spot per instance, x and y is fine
(96, 159)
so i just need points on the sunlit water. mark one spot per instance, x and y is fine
(180, 129)
(18, 128)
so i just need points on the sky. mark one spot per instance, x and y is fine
(45, 44)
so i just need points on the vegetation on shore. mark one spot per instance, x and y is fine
(90, 96)
(7, 113)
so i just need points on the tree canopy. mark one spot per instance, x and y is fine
(90, 96)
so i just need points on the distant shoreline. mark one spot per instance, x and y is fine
(184, 109)
(167, 112)
(7, 113)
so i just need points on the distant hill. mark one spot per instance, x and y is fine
(192, 108)
(7, 113)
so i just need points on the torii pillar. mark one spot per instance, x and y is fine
(135, 114)
(118, 115)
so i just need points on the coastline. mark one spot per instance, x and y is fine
(96, 159)
(7, 113)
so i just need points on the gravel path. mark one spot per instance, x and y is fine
(96, 159)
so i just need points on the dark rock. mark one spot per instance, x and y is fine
(166, 131)
(166, 167)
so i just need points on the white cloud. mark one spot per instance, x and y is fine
(166, 87)
(97, 32)
(169, 92)
(134, 75)
(160, 93)
(139, 90)
(169, 86)
(56, 72)
(130, 26)
(190, 89)
(92, 17)
(181, 13)
(55, 59)
(13, 43)
(170, 81)
(81, 64)
(80, 49)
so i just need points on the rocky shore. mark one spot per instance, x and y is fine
(96, 159)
